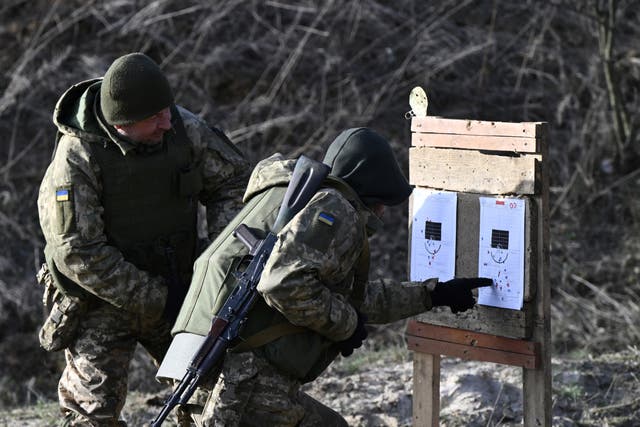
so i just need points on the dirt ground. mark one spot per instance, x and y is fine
(375, 389)
(600, 391)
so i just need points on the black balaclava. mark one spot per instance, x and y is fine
(363, 158)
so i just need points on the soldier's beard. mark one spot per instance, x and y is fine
(155, 138)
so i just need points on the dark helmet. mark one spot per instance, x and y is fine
(364, 159)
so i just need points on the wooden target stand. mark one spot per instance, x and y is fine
(476, 159)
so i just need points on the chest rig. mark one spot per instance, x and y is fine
(150, 202)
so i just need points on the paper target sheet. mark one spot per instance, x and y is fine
(433, 235)
(501, 255)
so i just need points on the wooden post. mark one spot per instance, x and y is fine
(476, 158)
(536, 383)
(426, 389)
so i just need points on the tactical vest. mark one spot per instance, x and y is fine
(150, 203)
(298, 351)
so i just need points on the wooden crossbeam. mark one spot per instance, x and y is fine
(470, 338)
(515, 324)
(441, 340)
(472, 171)
(475, 142)
(431, 124)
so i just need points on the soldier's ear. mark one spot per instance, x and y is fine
(122, 129)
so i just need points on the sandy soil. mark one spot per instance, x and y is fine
(375, 389)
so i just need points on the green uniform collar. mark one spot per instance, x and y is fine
(127, 145)
(78, 114)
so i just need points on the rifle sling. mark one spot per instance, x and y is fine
(273, 332)
(267, 335)
(361, 275)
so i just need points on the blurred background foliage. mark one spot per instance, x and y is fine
(288, 76)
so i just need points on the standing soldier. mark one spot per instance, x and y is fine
(316, 296)
(118, 209)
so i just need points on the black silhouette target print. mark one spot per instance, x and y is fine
(501, 251)
(433, 234)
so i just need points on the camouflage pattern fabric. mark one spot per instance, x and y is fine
(59, 329)
(225, 173)
(93, 385)
(253, 393)
(76, 229)
(309, 278)
(272, 171)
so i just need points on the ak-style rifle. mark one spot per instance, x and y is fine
(227, 324)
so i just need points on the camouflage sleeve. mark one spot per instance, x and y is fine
(305, 276)
(388, 300)
(71, 219)
(225, 172)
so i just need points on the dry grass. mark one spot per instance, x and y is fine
(288, 76)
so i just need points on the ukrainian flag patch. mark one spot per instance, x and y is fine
(63, 195)
(326, 218)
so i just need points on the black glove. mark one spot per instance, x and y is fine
(347, 346)
(456, 293)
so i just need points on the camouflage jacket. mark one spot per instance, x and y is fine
(83, 254)
(309, 276)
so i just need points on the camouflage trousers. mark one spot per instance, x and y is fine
(251, 392)
(93, 386)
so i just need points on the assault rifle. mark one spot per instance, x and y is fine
(227, 324)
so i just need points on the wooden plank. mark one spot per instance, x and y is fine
(426, 389)
(485, 319)
(472, 171)
(426, 345)
(537, 382)
(477, 127)
(468, 234)
(475, 142)
(530, 250)
(470, 338)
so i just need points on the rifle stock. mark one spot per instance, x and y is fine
(307, 174)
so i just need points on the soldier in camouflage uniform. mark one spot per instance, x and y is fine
(315, 288)
(118, 209)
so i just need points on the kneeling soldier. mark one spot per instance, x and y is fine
(316, 297)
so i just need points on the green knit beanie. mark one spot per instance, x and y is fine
(133, 89)
(364, 159)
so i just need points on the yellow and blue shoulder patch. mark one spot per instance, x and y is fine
(320, 232)
(64, 220)
(63, 194)
(326, 218)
